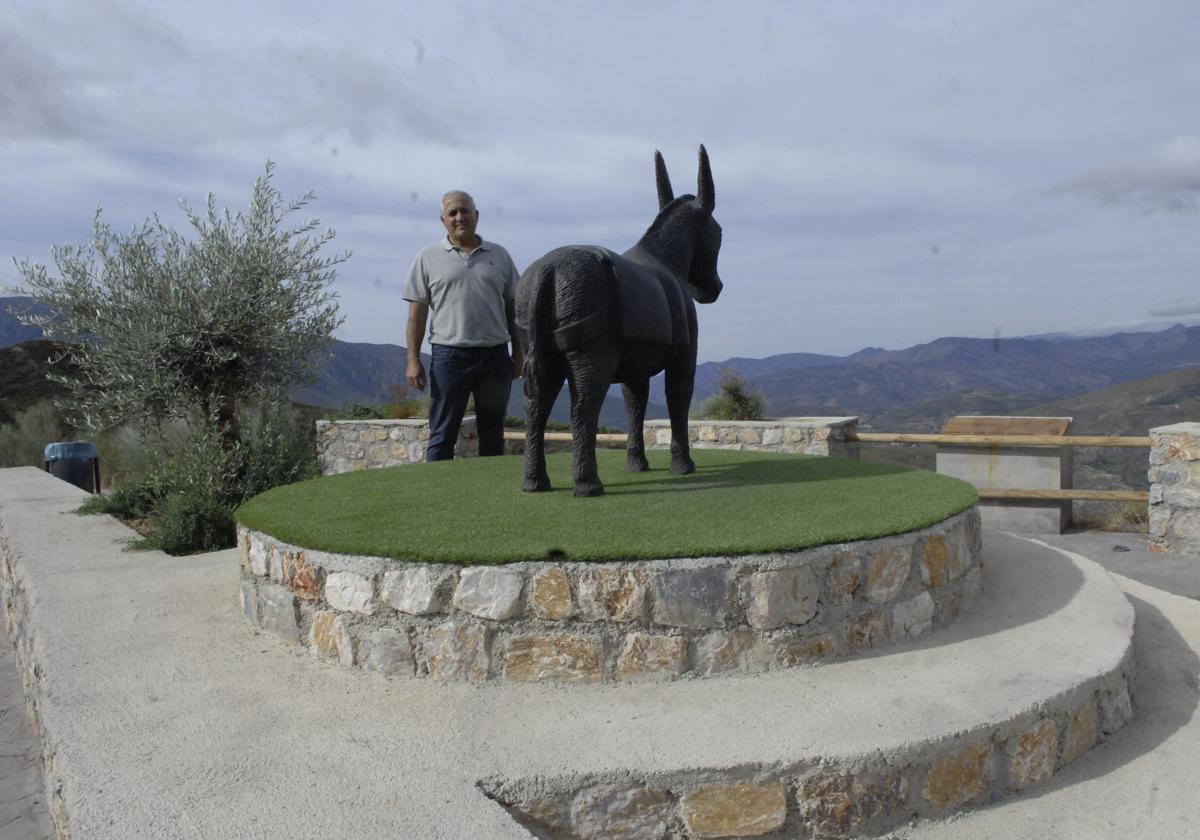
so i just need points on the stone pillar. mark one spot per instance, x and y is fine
(802, 435)
(1175, 488)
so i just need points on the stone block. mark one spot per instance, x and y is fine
(307, 582)
(844, 577)
(350, 592)
(785, 596)
(612, 593)
(550, 595)
(613, 812)
(959, 777)
(248, 598)
(789, 651)
(492, 593)
(772, 436)
(260, 558)
(564, 657)
(417, 590)
(1031, 754)
(913, 617)
(868, 629)
(737, 809)
(750, 436)
(648, 657)
(738, 650)
(457, 650)
(1115, 709)
(839, 804)
(330, 636)
(243, 544)
(551, 812)
(695, 598)
(933, 561)
(389, 652)
(279, 612)
(1083, 731)
(887, 572)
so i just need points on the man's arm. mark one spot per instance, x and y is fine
(418, 314)
(518, 356)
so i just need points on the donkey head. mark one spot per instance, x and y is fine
(703, 232)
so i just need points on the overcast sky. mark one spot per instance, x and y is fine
(886, 173)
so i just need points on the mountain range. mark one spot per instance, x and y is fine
(914, 389)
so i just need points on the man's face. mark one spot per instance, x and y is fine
(460, 218)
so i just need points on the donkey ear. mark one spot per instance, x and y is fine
(706, 196)
(665, 194)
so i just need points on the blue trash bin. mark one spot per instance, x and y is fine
(75, 461)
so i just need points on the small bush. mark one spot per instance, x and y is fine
(733, 401)
(193, 484)
(23, 443)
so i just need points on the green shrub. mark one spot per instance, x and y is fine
(733, 401)
(23, 443)
(192, 485)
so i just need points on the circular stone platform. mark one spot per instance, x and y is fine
(827, 584)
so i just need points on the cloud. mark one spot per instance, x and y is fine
(114, 73)
(1177, 308)
(1166, 179)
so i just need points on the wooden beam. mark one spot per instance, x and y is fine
(1000, 440)
(565, 436)
(1067, 495)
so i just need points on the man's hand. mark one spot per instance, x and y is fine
(416, 374)
(518, 361)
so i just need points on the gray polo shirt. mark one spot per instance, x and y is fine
(465, 292)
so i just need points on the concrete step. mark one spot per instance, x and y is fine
(166, 714)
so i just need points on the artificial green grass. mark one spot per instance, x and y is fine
(473, 511)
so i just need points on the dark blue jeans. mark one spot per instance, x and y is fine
(456, 374)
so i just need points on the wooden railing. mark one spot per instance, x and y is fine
(1130, 441)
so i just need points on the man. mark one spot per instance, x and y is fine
(468, 285)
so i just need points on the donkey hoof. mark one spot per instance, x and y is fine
(683, 467)
(637, 465)
(587, 489)
(536, 485)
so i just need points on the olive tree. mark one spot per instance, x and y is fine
(161, 325)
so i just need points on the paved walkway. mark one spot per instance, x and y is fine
(343, 759)
(23, 814)
(1141, 785)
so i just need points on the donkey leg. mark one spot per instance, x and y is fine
(537, 411)
(587, 394)
(636, 394)
(680, 379)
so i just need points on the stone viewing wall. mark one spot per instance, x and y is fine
(599, 622)
(1175, 488)
(816, 799)
(350, 445)
(801, 435)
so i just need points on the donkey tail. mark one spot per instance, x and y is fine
(541, 295)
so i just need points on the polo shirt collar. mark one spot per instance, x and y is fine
(447, 245)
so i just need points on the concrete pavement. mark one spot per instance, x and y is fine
(172, 717)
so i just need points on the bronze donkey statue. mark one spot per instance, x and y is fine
(593, 317)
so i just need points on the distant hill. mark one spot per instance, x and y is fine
(912, 389)
(23, 381)
(12, 331)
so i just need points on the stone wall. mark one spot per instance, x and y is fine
(350, 445)
(601, 622)
(1175, 488)
(802, 435)
(822, 799)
